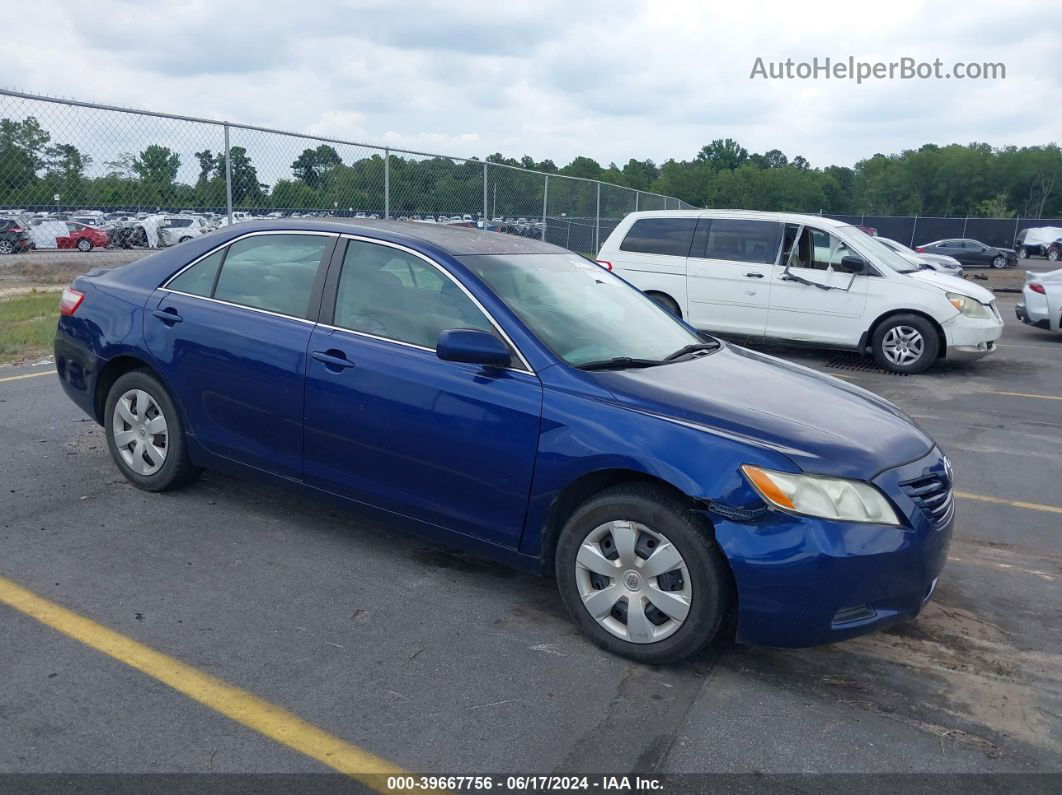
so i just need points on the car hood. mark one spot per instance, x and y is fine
(951, 284)
(821, 424)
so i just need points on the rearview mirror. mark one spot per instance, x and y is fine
(473, 347)
(854, 264)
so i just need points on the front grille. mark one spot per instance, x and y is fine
(933, 495)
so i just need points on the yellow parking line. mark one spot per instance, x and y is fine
(265, 718)
(1025, 394)
(1032, 506)
(28, 375)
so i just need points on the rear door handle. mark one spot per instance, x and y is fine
(754, 275)
(333, 359)
(168, 315)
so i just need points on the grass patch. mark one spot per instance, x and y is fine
(27, 325)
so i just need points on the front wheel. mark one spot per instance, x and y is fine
(145, 435)
(7, 247)
(999, 262)
(641, 575)
(1023, 253)
(1052, 254)
(84, 244)
(905, 344)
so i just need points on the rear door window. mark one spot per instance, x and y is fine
(754, 242)
(272, 272)
(669, 236)
(198, 279)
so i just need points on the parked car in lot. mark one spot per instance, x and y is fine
(1040, 304)
(82, 237)
(804, 279)
(176, 229)
(971, 253)
(14, 236)
(936, 262)
(509, 397)
(1039, 241)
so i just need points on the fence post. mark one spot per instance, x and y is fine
(914, 227)
(387, 182)
(597, 222)
(637, 196)
(545, 195)
(484, 195)
(1014, 238)
(964, 220)
(228, 175)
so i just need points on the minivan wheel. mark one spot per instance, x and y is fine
(999, 262)
(905, 344)
(145, 435)
(84, 244)
(667, 302)
(641, 574)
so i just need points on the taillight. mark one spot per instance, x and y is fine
(1036, 287)
(17, 230)
(604, 263)
(920, 249)
(70, 301)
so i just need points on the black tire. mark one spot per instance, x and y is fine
(930, 343)
(999, 262)
(667, 302)
(177, 470)
(691, 535)
(84, 244)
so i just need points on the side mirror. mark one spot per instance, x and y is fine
(854, 264)
(473, 347)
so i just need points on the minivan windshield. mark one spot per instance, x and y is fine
(581, 311)
(877, 251)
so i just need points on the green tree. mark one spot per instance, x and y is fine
(313, 166)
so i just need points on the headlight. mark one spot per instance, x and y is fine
(970, 307)
(815, 495)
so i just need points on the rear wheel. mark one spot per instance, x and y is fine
(84, 244)
(7, 247)
(641, 575)
(667, 302)
(1023, 253)
(905, 344)
(1052, 254)
(145, 435)
(999, 262)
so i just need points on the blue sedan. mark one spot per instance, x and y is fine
(511, 398)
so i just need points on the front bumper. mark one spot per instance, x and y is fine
(805, 582)
(972, 338)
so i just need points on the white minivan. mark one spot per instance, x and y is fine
(802, 278)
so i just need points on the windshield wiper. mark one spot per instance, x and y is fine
(688, 349)
(618, 363)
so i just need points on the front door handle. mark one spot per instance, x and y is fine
(332, 359)
(754, 275)
(168, 315)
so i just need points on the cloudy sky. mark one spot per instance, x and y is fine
(612, 80)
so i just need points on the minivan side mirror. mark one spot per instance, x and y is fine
(473, 347)
(854, 264)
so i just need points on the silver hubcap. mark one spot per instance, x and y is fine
(140, 433)
(633, 581)
(999, 262)
(903, 345)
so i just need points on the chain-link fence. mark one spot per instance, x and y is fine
(914, 230)
(80, 175)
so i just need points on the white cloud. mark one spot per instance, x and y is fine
(610, 80)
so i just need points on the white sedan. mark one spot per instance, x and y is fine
(1041, 301)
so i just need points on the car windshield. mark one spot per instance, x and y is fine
(877, 251)
(579, 310)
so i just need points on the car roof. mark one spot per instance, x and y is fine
(752, 215)
(454, 240)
